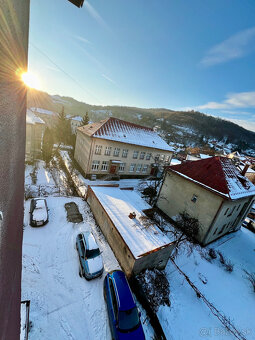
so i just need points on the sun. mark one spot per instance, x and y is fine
(30, 80)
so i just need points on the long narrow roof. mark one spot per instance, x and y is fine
(125, 132)
(31, 118)
(118, 204)
(218, 174)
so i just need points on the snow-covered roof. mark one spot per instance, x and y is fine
(31, 118)
(125, 132)
(217, 174)
(42, 111)
(77, 118)
(175, 161)
(118, 204)
(204, 156)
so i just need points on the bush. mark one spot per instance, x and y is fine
(222, 258)
(212, 253)
(229, 266)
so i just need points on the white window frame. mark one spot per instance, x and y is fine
(98, 150)
(139, 167)
(116, 152)
(104, 166)
(142, 155)
(122, 167)
(148, 156)
(124, 153)
(132, 167)
(135, 154)
(95, 165)
(108, 150)
(145, 168)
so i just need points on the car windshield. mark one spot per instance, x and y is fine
(128, 319)
(92, 253)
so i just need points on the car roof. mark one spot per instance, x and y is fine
(90, 241)
(125, 297)
(40, 203)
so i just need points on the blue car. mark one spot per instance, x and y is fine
(122, 311)
(91, 263)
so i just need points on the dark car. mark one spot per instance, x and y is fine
(91, 263)
(38, 212)
(123, 314)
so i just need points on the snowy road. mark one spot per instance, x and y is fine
(63, 305)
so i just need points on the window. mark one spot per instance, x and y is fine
(95, 165)
(226, 211)
(135, 154)
(162, 157)
(194, 198)
(116, 152)
(139, 167)
(145, 168)
(113, 298)
(122, 167)
(98, 149)
(148, 156)
(215, 231)
(222, 229)
(132, 167)
(167, 159)
(108, 150)
(157, 157)
(124, 153)
(104, 166)
(142, 155)
(231, 212)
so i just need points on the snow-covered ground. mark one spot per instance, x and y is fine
(231, 293)
(63, 305)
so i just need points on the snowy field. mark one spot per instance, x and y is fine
(230, 292)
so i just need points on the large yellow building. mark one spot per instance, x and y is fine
(116, 147)
(211, 190)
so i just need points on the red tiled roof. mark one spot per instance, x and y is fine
(217, 173)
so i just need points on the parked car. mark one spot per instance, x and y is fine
(249, 223)
(124, 317)
(91, 263)
(38, 212)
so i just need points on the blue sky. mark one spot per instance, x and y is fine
(176, 54)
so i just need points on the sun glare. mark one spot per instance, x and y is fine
(30, 80)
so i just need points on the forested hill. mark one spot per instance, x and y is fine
(177, 125)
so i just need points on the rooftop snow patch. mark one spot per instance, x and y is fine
(121, 131)
(43, 111)
(31, 118)
(118, 204)
(217, 174)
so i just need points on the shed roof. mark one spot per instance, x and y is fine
(118, 204)
(31, 118)
(125, 132)
(218, 174)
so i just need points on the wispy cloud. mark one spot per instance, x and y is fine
(109, 79)
(234, 47)
(92, 11)
(82, 39)
(233, 100)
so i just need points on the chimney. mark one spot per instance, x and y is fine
(246, 167)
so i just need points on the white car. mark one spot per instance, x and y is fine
(38, 212)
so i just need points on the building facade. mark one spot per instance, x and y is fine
(211, 190)
(14, 26)
(117, 147)
(35, 127)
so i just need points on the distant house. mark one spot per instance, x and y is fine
(34, 134)
(136, 244)
(75, 122)
(49, 117)
(211, 190)
(116, 147)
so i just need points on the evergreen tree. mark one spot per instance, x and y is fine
(85, 119)
(63, 128)
(47, 145)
